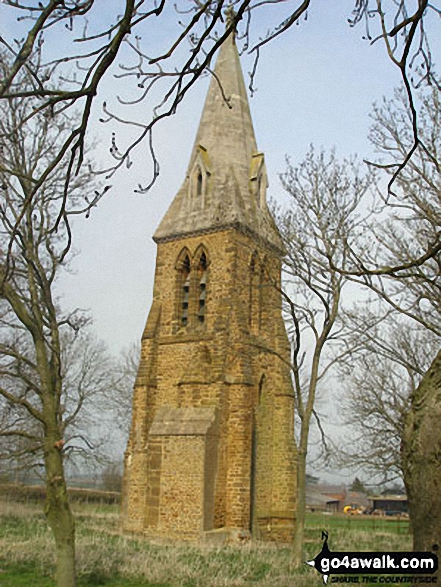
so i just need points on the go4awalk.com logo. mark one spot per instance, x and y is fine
(364, 564)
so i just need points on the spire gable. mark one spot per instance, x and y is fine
(226, 181)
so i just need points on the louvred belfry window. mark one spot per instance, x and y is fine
(254, 294)
(185, 293)
(202, 291)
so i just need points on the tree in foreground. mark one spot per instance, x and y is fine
(322, 218)
(397, 382)
(131, 40)
(48, 366)
(402, 266)
(421, 459)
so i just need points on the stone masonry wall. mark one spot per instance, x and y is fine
(202, 482)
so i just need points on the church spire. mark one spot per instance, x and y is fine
(225, 184)
(226, 129)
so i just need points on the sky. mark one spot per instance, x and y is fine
(316, 84)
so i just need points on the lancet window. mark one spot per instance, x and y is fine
(192, 280)
(199, 183)
(258, 181)
(254, 294)
(199, 177)
(202, 289)
(185, 290)
(262, 290)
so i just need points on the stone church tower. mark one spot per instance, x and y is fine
(211, 451)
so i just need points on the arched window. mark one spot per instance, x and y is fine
(254, 299)
(185, 289)
(251, 293)
(191, 289)
(199, 183)
(199, 177)
(261, 301)
(202, 289)
(258, 178)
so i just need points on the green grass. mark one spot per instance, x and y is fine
(359, 532)
(22, 575)
(27, 575)
(360, 522)
(107, 558)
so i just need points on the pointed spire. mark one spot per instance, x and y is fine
(226, 129)
(226, 179)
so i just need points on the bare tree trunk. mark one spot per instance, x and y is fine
(421, 454)
(58, 514)
(299, 530)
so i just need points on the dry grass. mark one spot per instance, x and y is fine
(103, 553)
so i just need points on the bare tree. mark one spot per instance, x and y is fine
(421, 448)
(88, 375)
(402, 263)
(403, 267)
(401, 26)
(116, 406)
(122, 398)
(379, 381)
(111, 477)
(43, 385)
(325, 196)
(399, 259)
(72, 76)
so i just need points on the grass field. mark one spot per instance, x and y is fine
(107, 558)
